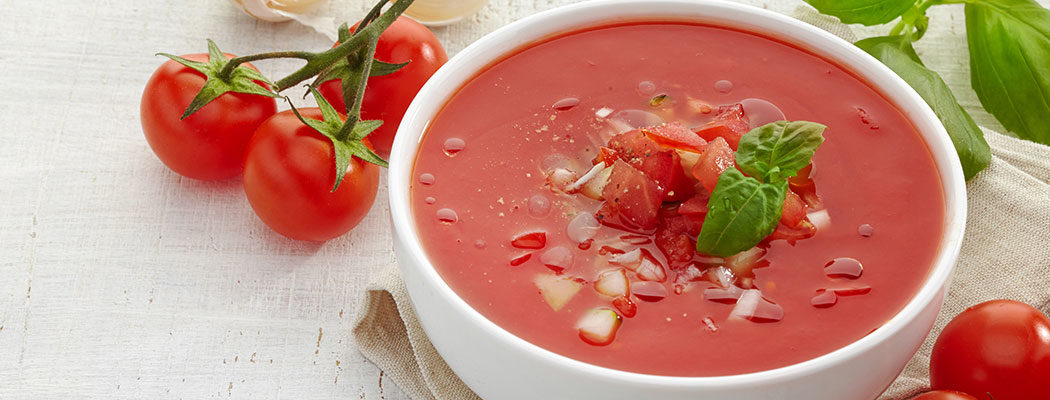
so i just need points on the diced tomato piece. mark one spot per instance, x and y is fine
(659, 164)
(804, 230)
(729, 125)
(605, 155)
(625, 306)
(794, 210)
(675, 136)
(679, 248)
(730, 111)
(716, 158)
(682, 186)
(801, 181)
(631, 196)
(676, 237)
(696, 205)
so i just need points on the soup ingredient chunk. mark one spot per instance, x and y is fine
(599, 326)
(997, 349)
(557, 290)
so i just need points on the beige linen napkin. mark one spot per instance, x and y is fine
(1004, 255)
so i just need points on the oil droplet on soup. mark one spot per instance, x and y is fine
(566, 104)
(454, 145)
(724, 86)
(843, 267)
(426, 179)
(539, 206)
(447, 215)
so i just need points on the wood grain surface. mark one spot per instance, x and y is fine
(121, 280)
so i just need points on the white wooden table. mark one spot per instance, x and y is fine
(120, 279)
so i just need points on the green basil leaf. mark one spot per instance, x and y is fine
(779, 149)
(742, 211)
(898, 54)
(1010, 63)
(867, 12)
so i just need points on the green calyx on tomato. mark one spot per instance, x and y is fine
(346, 138)
(345, 70)
(240, 79)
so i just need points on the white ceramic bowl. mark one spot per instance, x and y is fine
(499, 365)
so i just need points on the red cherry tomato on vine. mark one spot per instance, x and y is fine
(210, 143)
(998, 350)
(388, 96)
(288, 176)
(944, 395)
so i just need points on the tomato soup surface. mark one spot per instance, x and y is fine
(481, 180)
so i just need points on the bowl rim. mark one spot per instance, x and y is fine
(719, 13)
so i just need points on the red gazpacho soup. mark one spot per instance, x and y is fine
(624, 195)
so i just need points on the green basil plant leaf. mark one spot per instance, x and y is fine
(898, 54)
(779, 150)
(742, 211)
(867, 12)
(1010, 63)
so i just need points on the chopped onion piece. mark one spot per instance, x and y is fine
(727, 295)
(649, 291)
(598, 326)
(651, 270)
(754, 308)
(594, 187)
(556, 290)
(612, 283)
(687, 159)
(558, 258)
(583, 227)
(689, 274)
(561, 179)
(630, 259)
(743, 262)
(603, 112)
(709, 259)
(585, 178)
(722, 276)
(820, 219)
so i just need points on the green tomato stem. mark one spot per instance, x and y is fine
(227, 70)
(360, 39)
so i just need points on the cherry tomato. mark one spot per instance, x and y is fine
(998, 349)
(388, 96)
(944, 395)
(210, 143)
(288, 176)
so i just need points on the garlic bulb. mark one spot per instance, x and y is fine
(443, 12)
(275, 10)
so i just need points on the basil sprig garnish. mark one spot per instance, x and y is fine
(743, 210)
